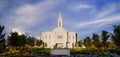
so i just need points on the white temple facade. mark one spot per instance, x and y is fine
(59, 37)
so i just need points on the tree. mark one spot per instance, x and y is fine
(87, 42)
(39, 42)
(30, 41)
(14, 39)
(22, 40)
(80, 43)
(116, 35)
(104, 38)
(96, 40)
(2, 39)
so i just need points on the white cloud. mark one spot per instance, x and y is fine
(107, 10)
(18, 31)
(27, 16)
(104, 16)
(99, 22)
(78, 7)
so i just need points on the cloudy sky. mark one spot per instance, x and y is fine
(82, 16)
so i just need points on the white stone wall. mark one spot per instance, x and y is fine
(51, 38)
(72, 39)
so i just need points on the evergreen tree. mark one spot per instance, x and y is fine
(104, 38)
(80, 43)
(116, 35)
(96, 40)
(2, 39)
(87, 42)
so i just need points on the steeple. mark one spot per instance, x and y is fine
(60, 20)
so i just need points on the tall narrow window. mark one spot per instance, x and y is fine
(73, 37)
(49, 37)
(45, 36)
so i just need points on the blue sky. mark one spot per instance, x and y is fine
(82, 16)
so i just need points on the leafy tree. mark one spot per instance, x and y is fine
(80, 43)
(2, 39)
(96, 40)
(39, 42)
(104, 38)
(30, 41)
(22, 40)
(87, 42)
(116, 35)
(14, 39)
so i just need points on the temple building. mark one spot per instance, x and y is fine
(59, 37)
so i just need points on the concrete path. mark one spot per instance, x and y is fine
(115, 55)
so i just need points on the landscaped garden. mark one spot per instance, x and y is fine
(41, 52)
(95, 46)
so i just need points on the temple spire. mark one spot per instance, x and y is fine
(60, 17)
(60, 20)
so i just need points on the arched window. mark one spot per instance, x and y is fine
(73, 37)
(59, 37)
(49, 36)
(45, 36)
